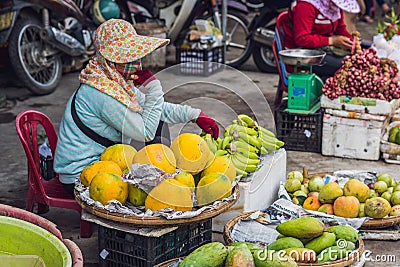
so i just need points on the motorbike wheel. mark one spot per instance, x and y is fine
(263, 56)
(39, 73)
(237, 46)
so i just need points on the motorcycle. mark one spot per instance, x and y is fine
(178, 16)
(261, 33)
(45, 37)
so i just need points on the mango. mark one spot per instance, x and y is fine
(377, 207)
(209, 255)
(303, 255)
(330, 192)
(268, 258)
(304, 227)
(345, 232)
(322, 242)
(285, 242)
(240, 256)
(356, 188)
(332, 254)
(248, 244)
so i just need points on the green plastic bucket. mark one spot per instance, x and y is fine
(18, 237)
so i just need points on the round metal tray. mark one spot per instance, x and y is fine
(302, 57)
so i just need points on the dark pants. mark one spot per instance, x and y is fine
(162, 136)
(328, 67)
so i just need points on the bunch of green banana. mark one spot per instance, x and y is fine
(213, 144)
(245, 141)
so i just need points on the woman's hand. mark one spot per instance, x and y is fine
(142, 77)
(340, 42)
(208, 125)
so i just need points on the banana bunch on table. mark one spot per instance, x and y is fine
(244, 142)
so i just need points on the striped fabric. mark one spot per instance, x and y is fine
(110, 118)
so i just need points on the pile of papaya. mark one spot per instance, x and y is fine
(302, 240)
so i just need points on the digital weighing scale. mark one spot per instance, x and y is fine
(304, 88)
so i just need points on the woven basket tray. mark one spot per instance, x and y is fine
(371, 223)
(167, 263)
(155, 221)
(339, 263)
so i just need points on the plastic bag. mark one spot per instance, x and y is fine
(46, 161)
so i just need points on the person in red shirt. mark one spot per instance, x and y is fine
(314, 24)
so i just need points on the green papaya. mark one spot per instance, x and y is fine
(304, 227)
(303, 255)
(322, 242)
(345, 244)
(280, 236)
(240, 256)
(248, 244)
(345, 232)
(209, 255)
(285, 242)
(268, 258)
(332, 254)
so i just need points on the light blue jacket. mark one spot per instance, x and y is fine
(113, 120)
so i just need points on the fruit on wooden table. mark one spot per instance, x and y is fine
(122, 154)
(170, 193)
(98, 166)
(158, 155)
(107, 186)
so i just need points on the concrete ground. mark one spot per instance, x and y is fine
(222, 96)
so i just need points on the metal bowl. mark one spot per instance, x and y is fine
(302, 57)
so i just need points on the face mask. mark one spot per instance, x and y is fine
(128, 69)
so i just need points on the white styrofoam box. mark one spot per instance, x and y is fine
(259, 192)
(371, 105)
(351, 138)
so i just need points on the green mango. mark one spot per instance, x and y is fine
(240, 256)
(301, 228)
(344, 232)
(248, 244)
(268, 258)
(322, 242)
(332, 254)
(209, 255)
(285, 242)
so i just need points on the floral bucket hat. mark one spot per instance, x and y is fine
(350, 6)
(117, 41)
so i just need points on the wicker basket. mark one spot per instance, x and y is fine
(371, 223)
(168, 263)
(150, 221)
(339, 263)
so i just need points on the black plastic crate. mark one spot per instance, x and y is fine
(127, 249)
(200, 62)
(300, 132)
